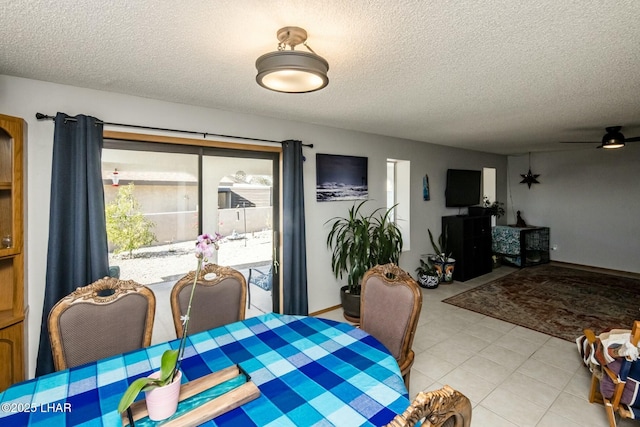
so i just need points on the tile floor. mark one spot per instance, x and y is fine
(514, 377)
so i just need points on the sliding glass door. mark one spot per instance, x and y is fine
(159, 197)
(245, 185)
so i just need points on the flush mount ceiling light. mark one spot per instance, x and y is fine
(292, 71)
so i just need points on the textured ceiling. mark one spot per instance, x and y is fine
(498, 76)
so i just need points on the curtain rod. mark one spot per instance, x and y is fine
(41, 116)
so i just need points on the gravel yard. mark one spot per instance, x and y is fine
(157, 264)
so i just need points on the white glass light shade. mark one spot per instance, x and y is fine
(291, 71)
(613, 141)
(611, 145)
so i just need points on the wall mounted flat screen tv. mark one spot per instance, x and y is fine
(463, 188)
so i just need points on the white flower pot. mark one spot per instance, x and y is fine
(162, 402)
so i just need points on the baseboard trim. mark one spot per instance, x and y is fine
(325, 310)
(597, 269)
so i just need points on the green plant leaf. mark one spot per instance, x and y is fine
(435, 246)
(168, 365)
(359, 241)
(133, 390)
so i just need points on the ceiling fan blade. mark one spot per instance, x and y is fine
(612, 139)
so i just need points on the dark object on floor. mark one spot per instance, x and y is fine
(556, 300)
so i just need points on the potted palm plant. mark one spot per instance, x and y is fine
(359, 242)
(441, 259)
(427, 274)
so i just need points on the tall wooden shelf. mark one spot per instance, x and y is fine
(469, 239)
(12, 292)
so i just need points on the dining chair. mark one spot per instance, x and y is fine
(445, 407)
(390, 304)
(110, 316)
(220, 298)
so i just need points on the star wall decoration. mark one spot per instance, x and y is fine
(529, 178)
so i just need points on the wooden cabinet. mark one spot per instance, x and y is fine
(469, 240)
(12, 292)
(12, 354)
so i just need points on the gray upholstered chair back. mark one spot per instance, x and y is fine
(389, 310)
(219, 299)
(108, 317)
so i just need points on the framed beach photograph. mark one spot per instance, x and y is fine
(341, 178)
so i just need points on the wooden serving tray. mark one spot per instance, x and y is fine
(208, 410)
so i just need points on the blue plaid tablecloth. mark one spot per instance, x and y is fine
(310, 372)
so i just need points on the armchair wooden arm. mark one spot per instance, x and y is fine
(445, 407)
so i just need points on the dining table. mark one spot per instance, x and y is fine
(310, 371)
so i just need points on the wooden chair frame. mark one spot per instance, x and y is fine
(436, 408)
(220, 273)
(393, 275)
(611, 405)
(95, 294)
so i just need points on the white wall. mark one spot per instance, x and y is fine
(589, 198)
(23, 98)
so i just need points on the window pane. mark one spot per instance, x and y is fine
(152, 213)
(391, 187)
(398, 186)
(243, 213)
(155, 197)
(489, 184)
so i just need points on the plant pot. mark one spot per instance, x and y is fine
(449, 266)
(428, 281)
(438, 266)
(162, 402)
(350, 305)
(444, 269)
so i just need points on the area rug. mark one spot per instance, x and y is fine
(557, 300)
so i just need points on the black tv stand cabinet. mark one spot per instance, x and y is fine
(469, 240)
